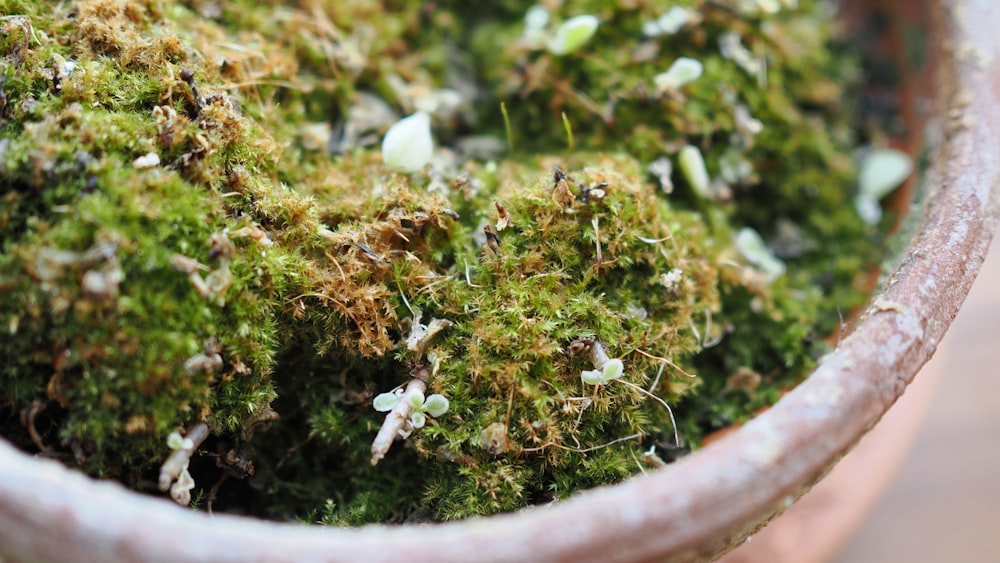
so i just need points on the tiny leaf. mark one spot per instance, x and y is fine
(416, 400)
(683, 71)
(417, 419)
(573, 34)
(692, 164)
(883, 170)
(436, 405)
(592, 377)
(385, 401)
(613, 369)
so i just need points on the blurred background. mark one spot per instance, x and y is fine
(943, 504)
(924, 485)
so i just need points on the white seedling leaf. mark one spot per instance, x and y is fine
(882, 171)
(573, 34)
(651, 29)
(693, 167)
(384, 402)
(756, 252)
(674, 19)
(436, 405)
(769, 6)
(613, 369)
(408, 145)
(175, 441)
(147, 161)
(417, 419)
(416, 400)
(868, 208)
(536, 18)
(683, 71)
(592, 377)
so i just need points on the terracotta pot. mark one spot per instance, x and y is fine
(692, 510)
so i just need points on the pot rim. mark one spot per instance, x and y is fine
(691, 510)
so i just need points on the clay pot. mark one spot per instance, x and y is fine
(692, 510)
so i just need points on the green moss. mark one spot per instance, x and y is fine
(179, 245)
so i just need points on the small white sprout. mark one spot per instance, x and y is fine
(683, 71)
(536, 19)
(651, 28)
(881, 171)
(746, 125)
(420, 407)
(612, 369)
(436, 405)
(672, 21)
(662, 168)
(177, 442)
(573, 34)
(732, 48)
(408, 145)
(416, 400)
(675, 18)
(692, 165)
(756, 252)
(148, 160)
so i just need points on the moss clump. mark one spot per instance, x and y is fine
(196, 228)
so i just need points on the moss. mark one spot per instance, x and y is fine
(196, 227)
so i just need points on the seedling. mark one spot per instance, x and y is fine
(408, 145)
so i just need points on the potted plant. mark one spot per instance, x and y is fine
(693, 509)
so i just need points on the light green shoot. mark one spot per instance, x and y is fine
(611, 370)
(570, 144)
(507, 127)
(420, 407)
